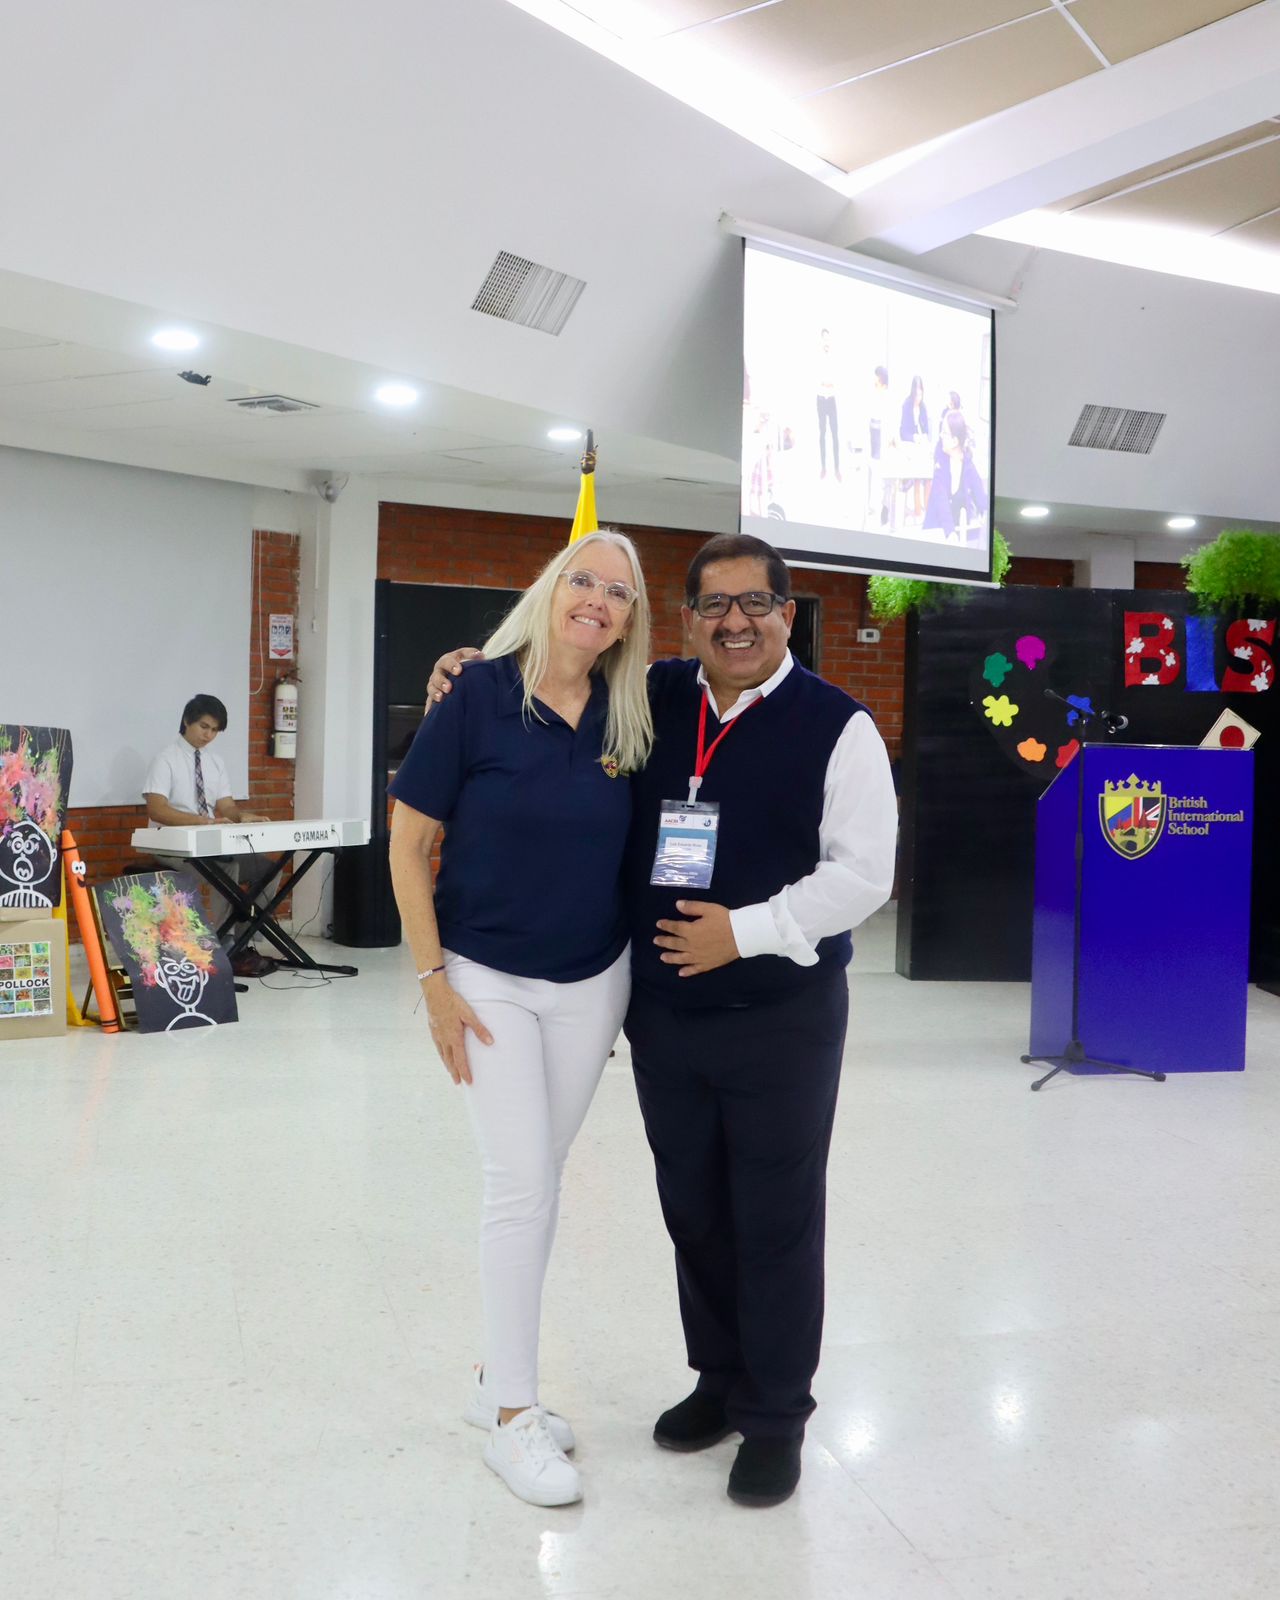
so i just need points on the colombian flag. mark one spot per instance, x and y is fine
(584, 518)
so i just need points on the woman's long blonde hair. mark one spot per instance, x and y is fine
(525, 632)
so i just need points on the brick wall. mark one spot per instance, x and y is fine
(102, 832)
(1159, 575)
(1044, 572)
(434, 544)
(276, 564)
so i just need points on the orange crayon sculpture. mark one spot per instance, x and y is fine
(74, 1017)
(107, 1008)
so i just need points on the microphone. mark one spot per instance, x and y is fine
(1112, 721)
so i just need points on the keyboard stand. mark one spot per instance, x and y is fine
(261, 919)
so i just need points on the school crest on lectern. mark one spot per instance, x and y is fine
(1132, 814)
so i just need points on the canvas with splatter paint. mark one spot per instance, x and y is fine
(180, 974)
(35, 780)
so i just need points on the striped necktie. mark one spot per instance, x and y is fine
(202, 805)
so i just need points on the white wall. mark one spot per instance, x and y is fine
(122, 593)
(1089, 332)
(338, 568)
(445, 133)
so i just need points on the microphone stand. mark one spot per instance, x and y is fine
(1112, 721)
(1073, 1054)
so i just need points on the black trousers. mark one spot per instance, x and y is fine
(827, 419)
(738, 1105)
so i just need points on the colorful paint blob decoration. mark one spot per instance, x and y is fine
(1067, 753)
(1030, 651)
(1001, 710)
(1032, 750)
(1083, 708)
(996, 668)
(35, 776)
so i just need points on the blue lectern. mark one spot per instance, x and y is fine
(1140, 959)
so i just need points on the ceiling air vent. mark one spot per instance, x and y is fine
(278, 403)
(521, 291)
(1115, 428)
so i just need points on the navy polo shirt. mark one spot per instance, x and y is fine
(535, 833)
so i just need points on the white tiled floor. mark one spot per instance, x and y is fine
(238, 1303)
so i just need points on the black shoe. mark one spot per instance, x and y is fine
(766, 1471)
(695, 1424)
(249, 964)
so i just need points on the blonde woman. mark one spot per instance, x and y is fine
(521, 949)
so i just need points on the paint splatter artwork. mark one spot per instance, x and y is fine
(179, 973)
(35, 777)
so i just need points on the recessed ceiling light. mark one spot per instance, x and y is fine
(1034, 511)
(564, 435)
(396, 394)
(175, 339)
(1181, 524)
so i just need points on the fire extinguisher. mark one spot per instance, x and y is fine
(284, 739)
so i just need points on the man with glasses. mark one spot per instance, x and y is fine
(740, 999)
(763, 830)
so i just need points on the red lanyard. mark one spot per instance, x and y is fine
(704, 755)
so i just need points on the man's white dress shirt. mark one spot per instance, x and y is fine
(173, 776)
(857, 838)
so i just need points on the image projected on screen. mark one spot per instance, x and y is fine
(866, 421)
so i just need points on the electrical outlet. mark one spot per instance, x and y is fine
(868, 636)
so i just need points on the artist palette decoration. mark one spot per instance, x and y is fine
(1038, 727)
(35, 778)
(180, 975)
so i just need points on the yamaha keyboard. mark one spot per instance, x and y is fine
(251, 838)
(252, 905)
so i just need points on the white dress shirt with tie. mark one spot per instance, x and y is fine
(172, 775)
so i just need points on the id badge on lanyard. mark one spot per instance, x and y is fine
(685, 857)
(686, 853)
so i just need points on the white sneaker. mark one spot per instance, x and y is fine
(481, 1414)
(529, 1461)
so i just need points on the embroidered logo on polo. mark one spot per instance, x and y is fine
(1132, 814)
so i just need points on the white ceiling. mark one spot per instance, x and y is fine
(322, 200)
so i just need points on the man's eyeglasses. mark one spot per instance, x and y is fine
(755, 603)
(618, 596)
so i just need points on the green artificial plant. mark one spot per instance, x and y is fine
(1238, 574)
(891, 598)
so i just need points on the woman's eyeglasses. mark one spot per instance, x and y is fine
(755, 603)
(617, 595)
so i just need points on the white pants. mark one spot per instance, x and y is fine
(529, 1093)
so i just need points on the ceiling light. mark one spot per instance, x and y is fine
(1181, 524)
(1153, 247)
(564, 435)
(175, 339)
(1034, 512)
(396, 394)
